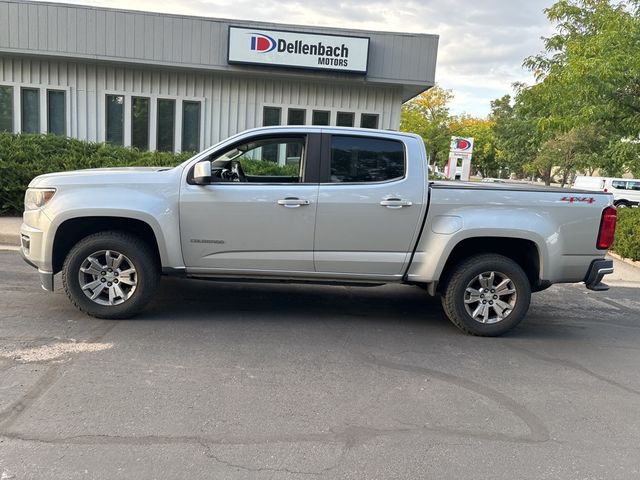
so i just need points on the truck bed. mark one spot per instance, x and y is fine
(522, 187)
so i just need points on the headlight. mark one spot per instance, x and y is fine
(35, 198)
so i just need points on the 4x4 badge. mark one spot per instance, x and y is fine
(578, 199)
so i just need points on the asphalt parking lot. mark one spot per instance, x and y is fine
(262, 381)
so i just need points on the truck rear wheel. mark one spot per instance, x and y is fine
(110, 275)
(486, 295)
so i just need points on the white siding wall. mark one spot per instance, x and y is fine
(231, 103)
(136, 38)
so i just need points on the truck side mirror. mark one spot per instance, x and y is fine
(202, 173)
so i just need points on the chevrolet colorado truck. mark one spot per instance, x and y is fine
(314, 204)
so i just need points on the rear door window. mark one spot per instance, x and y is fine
(366, 159)
(619, 184)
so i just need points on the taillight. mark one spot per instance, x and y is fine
(607, 228)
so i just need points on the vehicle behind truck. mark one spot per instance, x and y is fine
(626, 191)
(316, 205)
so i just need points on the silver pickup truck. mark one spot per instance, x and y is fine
(314, 204)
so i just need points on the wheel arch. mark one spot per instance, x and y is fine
(522, 251)
(622, 202)
(72, 230)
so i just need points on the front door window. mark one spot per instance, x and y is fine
(267, 160)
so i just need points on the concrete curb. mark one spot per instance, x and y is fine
(628, 261)
(9, 240)
(10, 230)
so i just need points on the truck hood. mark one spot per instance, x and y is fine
(101, 176)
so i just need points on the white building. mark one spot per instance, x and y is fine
(171, 82)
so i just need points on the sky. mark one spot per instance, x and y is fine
(482, 42)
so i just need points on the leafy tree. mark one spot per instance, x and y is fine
(622, 155)
(588, 88)
(592, 64)
(428, 116)
(518, 130)
(564, 153)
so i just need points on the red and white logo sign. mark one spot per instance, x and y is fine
(279, 48)
(262, 43)
(461, 145)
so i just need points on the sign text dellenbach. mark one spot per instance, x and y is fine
(297, 49)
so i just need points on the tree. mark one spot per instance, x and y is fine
(593, 64)
(518, 130)
(588, 83)
(563, 154)
(428, 116)
(622, 156)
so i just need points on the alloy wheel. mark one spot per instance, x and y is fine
(108, 277)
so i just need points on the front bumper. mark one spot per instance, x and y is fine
(34, 246)
(597, 270)
(46, 278)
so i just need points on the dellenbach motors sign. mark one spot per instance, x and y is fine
(294, 49)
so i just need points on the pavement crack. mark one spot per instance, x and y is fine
(209, 454)
(9, 415)
(46, 354)
(575, 366)
(538, 430)
(102, 330)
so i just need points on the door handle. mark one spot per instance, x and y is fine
(395, 203)
(292, 202)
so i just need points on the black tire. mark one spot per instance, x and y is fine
(136, 251)
(468, 271)
(622, 204)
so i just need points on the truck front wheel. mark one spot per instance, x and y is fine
(110, 275)
(486, 295)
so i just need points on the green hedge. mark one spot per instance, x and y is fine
(259, 167)
(24, 156)
(627, 243)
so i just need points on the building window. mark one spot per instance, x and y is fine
(30, 110)
(365, 159)
(190, 126)
(320, 117)
(56, 112)
(166, 124)
(369, 120)
(6, 108)
(115, 119)
(271, 116)
(345, 119)
(140, 123)
(296, 116)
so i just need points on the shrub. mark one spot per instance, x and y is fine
(257, 167)
(627, 242)
(24, 156)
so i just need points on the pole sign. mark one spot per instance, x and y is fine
(280, 48)
(460, 153)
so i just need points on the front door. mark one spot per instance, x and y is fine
(258, 214)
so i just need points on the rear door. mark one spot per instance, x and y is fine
(371, 203)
